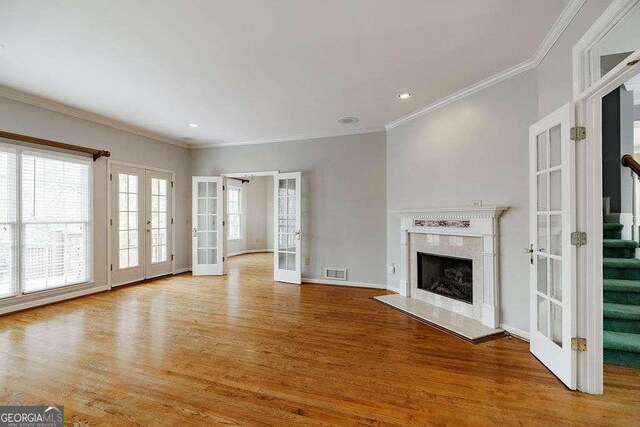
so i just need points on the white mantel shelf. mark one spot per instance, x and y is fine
(462, 221)
(468, 211)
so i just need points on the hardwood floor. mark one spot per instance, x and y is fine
(244, 350)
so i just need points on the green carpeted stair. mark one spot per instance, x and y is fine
(621, 272)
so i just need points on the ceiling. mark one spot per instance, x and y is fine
(258, 70)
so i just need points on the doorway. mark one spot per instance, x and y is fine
(141, 223)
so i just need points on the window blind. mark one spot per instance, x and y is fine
(8, 216)
(55, 221)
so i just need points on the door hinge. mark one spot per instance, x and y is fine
(578, 344)
(171, 220)
(578, 133)
(171, 184)
(111, 222)
(223, 223)
(110, 177)
(578, 238)
(111, 267)
(171, 257)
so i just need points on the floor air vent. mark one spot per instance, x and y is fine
(334, 273)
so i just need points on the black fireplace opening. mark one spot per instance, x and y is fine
(447, 276)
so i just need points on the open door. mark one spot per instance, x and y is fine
(209, 231)
(553, 257)
(286, 253)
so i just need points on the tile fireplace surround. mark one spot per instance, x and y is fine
(470, 233)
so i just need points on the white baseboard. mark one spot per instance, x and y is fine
(518, 333)
(31, 301)
(343, 283)
(250, 251)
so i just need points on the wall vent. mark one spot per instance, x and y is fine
(334, 273)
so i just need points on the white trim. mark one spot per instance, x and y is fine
(58, 107)
(238, 175)
(250, 251)
(580, 53)
(343, 283)
(299, 137)
(567, 15)
(516, 332)
(32, 302)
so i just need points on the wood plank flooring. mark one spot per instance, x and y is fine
(244, 350)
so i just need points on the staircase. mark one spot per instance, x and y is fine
(621, 272)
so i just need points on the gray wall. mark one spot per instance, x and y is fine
(18, 117)
(343, 205)
(555, 73)
(474, 149)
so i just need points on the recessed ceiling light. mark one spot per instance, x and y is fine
(193, 125)
(348, 120)
(404, 95)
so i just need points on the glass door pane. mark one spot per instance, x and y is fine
(8, 206)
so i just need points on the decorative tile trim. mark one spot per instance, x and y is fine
(441, 223)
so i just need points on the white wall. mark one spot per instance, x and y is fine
(474, 149)
(343, 206)
(18, 117)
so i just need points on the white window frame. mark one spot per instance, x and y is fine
(240, 213)
(20, 292)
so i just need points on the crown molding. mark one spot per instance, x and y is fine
(565, 18)
(58, 107)
(299, 137)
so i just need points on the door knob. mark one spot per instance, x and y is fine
(195, 232)
(529, 251)
(298, 235)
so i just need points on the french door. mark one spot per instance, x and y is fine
(553, 257)
(141, 224)
(287, 228)
(209, 231)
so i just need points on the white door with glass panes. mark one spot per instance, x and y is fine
(552, 256)
(208, 218)
(141, 224)
(287, 229)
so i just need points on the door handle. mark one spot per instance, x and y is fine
(195, 232)
(298, 235)
(529, 251)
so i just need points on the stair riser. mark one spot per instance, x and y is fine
(622, 358)
(618, 253)
(622, 325)
(629, 298)
(621, 273)
(612, 234)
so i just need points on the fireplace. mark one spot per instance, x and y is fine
(448, 276)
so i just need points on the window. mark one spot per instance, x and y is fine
(52, 233)
(234, 213)
(158, 220)
(128, 220)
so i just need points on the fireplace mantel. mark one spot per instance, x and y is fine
(479, 222)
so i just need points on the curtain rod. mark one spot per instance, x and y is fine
(96, 154)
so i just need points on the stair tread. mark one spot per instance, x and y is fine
(612, 226)
(621, 311)
(623, 341)
(619, 243)
(621, 262)
(621, 285)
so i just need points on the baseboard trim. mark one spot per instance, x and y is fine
(343, 283)
(250, 251)
(38, 302)
(518, 333)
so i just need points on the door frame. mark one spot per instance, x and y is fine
(588, 101)
(109, 201)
